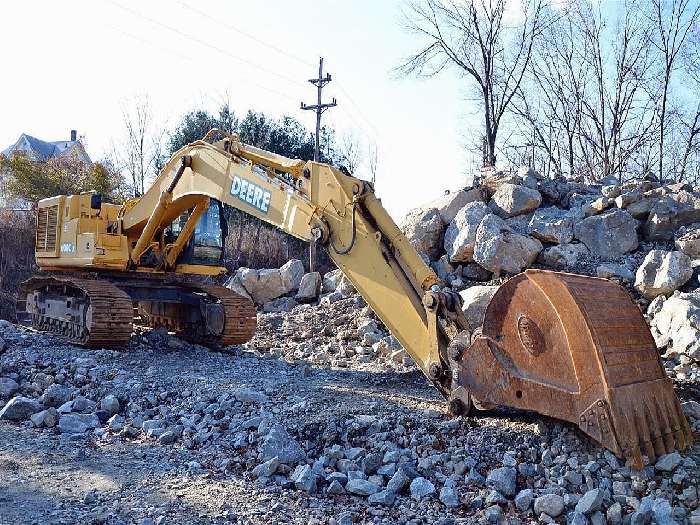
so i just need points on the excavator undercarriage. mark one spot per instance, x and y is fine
(567, 346)
(97, 311)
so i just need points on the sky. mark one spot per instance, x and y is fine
(76, 64)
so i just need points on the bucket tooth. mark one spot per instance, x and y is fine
(578, 349)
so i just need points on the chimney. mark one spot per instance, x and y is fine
(73, 135)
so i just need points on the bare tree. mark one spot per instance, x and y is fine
(618, 110)
(373, 160)
(142, 146)
(473, 37)
(350, 152)
(557, 82)
(691, 120)
(674, 20)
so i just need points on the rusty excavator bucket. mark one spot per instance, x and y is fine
(578, 349)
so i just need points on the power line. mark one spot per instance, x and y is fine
(319, 107)
(201, 42)
(359, 112)
(277, 49)
(245, 34)
(184, 57)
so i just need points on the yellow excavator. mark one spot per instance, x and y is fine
(571, 347)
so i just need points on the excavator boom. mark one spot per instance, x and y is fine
(567, 346)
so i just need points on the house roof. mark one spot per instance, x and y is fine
(40, 149)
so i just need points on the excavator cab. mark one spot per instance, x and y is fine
(206, 246)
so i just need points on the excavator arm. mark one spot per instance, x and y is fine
(316, 203)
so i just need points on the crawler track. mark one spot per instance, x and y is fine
(88, 312)
(239, 316)
(99, 312)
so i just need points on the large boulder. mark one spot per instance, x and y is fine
(662, 220)
(460, 235)
(475, 300)
(513, 199)
(689, 243)
(291, 274)
(309, 288)
(551, 225)
(262, 285)
(609, 235)
(688, 207)
(662, 273)
(678, 320)
(424, 229)
(564, 255)
(331, 280)
(449, 204)
(234, 284)
(498, 248)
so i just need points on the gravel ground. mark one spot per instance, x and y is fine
(166, 432)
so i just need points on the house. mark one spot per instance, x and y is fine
(40, 151)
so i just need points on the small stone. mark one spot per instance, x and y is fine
(398, 481)
(354, 453)
(361, 487)
(304, 478)
(523, 500)
(614, 513)
(246, 395)
(8, 387)
(668, 462)
(266, 469)
(309, 288)
(56, 395)
(497, 498)
(550, 504)
(513, 199)
(20, 409)
(167, 438)
(509, 460)
(77, 423)
(115, 423)
(662, 273)
(663, 512)
(500, 249)
(590, 502)
(448, 494)
(371, 462)
(493, 514)
(110, 404)
(335, 488)
(383, 497)
(278, 443)
(609, 235)
(421, 487)
(475, 300)
(578, 519)
(46, 418)
(503, 480)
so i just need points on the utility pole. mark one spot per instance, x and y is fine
(319, 107)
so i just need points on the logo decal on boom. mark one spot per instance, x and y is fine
(251, 194)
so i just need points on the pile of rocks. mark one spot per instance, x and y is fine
(339, 332)
(277, 290)
(644, 234)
